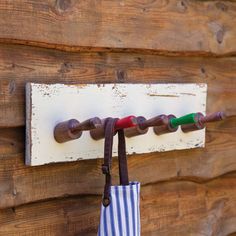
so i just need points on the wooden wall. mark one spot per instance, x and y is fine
(190, 192)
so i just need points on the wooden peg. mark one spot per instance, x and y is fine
(98, 133)
(213, 117)
(202, 120)
(72, 129)
(166, 128)
(126, 122)
(174, 123)
(143, 125)
(133, 131)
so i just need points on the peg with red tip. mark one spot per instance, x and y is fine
(126, 122)
(144, 124)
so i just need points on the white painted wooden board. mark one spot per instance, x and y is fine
(47, 105)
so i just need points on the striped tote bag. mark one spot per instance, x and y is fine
(120, 214)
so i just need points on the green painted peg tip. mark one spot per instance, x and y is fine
(183, 120)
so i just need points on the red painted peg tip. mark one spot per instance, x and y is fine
(126, 122)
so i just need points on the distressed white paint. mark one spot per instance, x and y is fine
(48, 105)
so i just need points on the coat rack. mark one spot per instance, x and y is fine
(134, 126)
(65, 122)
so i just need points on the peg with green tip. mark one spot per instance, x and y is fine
(175, 122)
(202, 120)
(183, 120)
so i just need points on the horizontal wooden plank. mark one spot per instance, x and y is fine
(169, 208)
(11, 141)
(184, 208)
(20, 184)
(21, 64)
(114, 100)
(164, 26)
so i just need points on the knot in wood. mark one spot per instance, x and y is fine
(63, 5)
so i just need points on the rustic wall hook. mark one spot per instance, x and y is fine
(126, 122)
(202, 120)
(44, 101)
(143, 125)
(174, 123)
(72, 129)
(166, 128)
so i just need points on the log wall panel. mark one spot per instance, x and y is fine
(188, 192)
(20, 64)
(20, 184)
(167, 209)
(202, 27)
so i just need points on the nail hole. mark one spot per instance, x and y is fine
(220, 36)
(121, 76)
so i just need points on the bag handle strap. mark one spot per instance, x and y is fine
(123, 167)
(106, 167)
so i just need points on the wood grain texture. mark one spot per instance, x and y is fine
(205, 27)
(21, 64)
(20, 184)
(178, 196)
(167, 209)
(184, 208)
(11, 141)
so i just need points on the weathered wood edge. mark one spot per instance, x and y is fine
(28, 140)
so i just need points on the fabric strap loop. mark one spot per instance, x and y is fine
(106, 167)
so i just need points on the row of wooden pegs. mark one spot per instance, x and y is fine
(133, 126)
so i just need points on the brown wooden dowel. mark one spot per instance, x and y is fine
(217, 116)
(143, 125)
(197, 126)
(134, 131)
(166, 128)
(202, 120)
(155, 121)
(98, 133)
(89, 124)
(72, 129)
(123, 123)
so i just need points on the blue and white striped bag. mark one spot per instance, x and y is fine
(120, 215)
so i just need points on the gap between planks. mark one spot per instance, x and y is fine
(84, 49)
